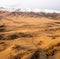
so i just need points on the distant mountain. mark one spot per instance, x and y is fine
(36, 10)
(53, 14)
(28, 10)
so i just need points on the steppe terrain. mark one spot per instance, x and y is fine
(29, 35)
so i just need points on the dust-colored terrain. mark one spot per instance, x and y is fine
(29, 36)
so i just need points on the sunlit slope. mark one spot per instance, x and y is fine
(25, 37)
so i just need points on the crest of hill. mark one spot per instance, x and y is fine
(30, 12)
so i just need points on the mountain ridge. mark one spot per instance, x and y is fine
(28, 10)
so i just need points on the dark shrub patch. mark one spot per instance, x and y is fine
(17, 56)
(39, 54)
(12, 36)
(18, 35)
(18, 47)
(25, 35)
(2, 28)
(57, 22)
(2, 37)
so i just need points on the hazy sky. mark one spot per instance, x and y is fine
(44, 4)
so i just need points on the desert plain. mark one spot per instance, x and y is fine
(29, 35)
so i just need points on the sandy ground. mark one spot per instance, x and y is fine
(29, 38)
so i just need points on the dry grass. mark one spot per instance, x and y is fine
(29, 36)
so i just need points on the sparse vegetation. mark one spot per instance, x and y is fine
(18, 56)
(57, 22)
(39, 54)
(28, 35)
(25, 35)
(18, 47)
(54, 36)
(12, 36)
(2, 37)
(18, 35)
(2, 28)
(3, 46)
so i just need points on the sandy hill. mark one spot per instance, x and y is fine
(25, 35)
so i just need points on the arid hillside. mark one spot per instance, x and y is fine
(29, 35)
